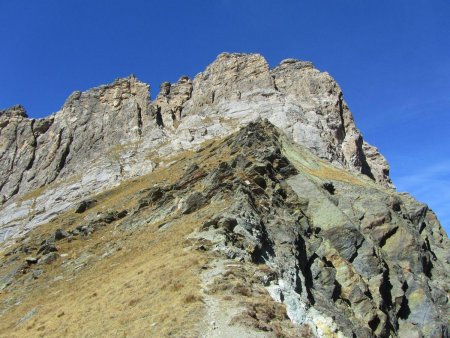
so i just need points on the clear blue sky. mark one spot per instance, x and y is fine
(392, 59)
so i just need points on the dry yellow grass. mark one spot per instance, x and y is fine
(150, 287)
(141, 290)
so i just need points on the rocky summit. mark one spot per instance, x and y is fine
(241, 203)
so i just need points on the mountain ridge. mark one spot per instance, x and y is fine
(248, 197)
(234, 90)
(249, 235)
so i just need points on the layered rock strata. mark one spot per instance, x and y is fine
(340, 255)
(110, 133)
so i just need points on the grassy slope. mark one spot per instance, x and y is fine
(148, 286)
(148, 283)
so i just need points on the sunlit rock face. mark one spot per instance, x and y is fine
(113, 132)
(305, 103)
(276, 178)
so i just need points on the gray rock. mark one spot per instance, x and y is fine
(79, 150)
(28, 315)
(194, 202)
(331, 265)
(48, 258)
(85, 205)
(36, 153)
(36, 273)
(47, 246)
(61, 234)
(31, 260)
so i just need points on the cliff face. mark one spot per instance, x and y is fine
(113, 132)
(94, 142)
(35, 153)
(305, 103)
(247, 196)
(250, 235)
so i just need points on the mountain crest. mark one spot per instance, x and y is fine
(115, 132)
(250, 235)
(14, 111)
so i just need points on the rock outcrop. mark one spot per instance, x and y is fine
(279, 243)
(35, 153)
(92, 143)
(107, 134)
(351, 259)
(259, 173)
(304, 102)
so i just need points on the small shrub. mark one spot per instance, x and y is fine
(191, 298)
(242, 289)
(177, 286)
(133, 302)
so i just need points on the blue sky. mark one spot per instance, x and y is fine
(392, 59)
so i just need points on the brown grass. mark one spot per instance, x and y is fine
(148, 287)
(97, 301)
(192, 298)
(264, 314)
(239, 287)
(242, 289)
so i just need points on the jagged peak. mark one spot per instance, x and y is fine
(295, 64)
(228, 55)
(128, 85)
(184, 79)
(261, 128)
(291, 63)
(120, 82)
(14, 111)
(239, 58)
(233, 91)
(164, 87)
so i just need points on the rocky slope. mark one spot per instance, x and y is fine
(251, 206)
(249, 236)
(114, 132)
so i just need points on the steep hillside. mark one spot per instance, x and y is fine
(249, 236)
(241, 203)
(111, 133)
